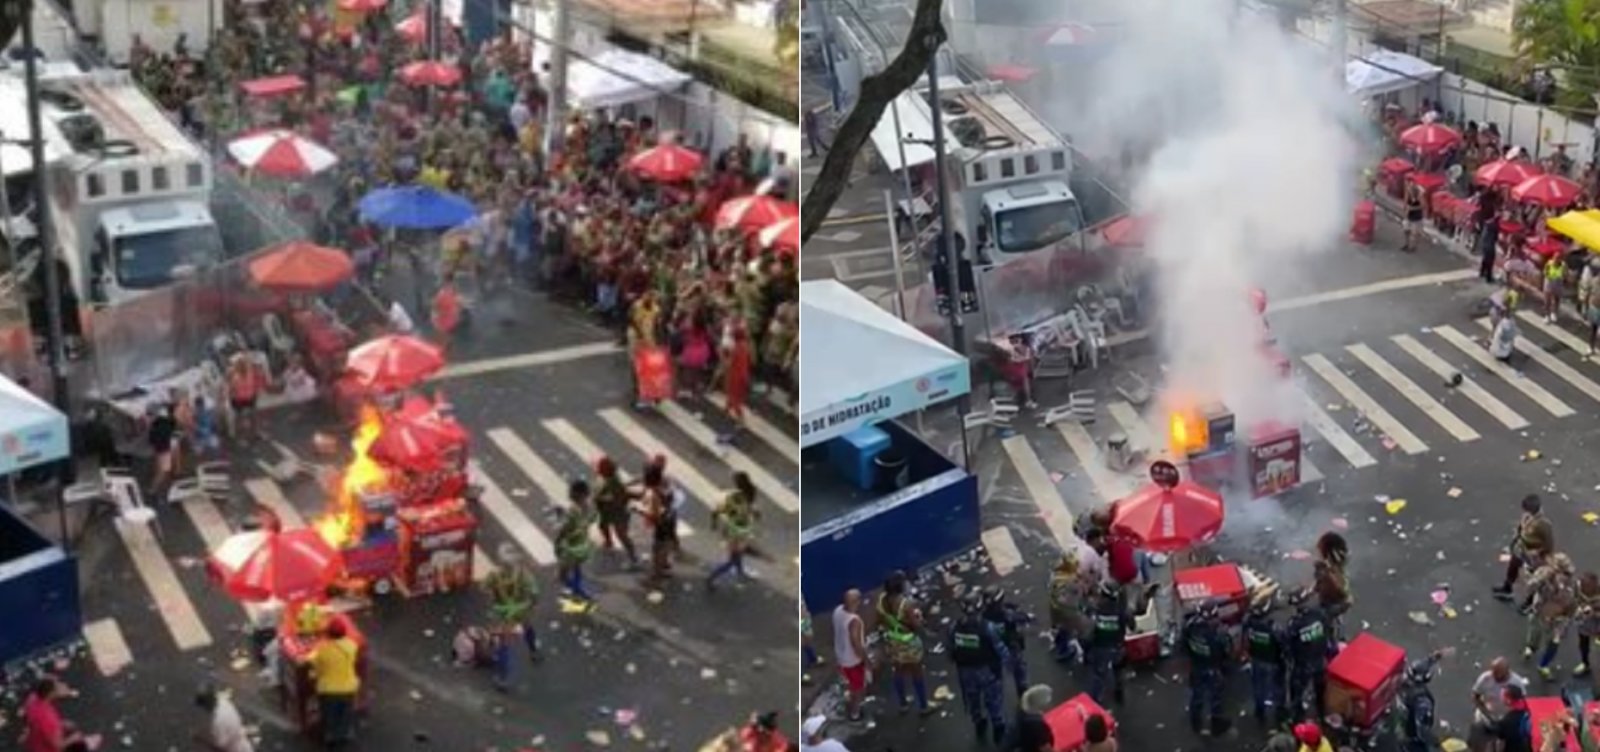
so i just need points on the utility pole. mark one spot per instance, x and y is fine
(555, 109)
(55, 354)
(952, 256)
(822, 18)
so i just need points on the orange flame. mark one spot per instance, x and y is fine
(344, 522)
(1187, 432)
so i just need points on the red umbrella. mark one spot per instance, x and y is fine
(266, 88)
(1012, 74)
(1125, 232)
(783, 235)
(1429, 138)
(362, 6)
(431, 73)
(417, 442)
(751, 213)
(289, 566)
(667, 163)
(394, 362)
(1504, 172)
(1549, 191)
(1167, 520)
(281, 153)
(414, 29)
(300, 266)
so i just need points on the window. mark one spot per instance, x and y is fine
(130, 181)
(1008, 168)
(1058, 161)
(1030, 164)
(94, 186)
(159, 180)
(197, 175)
(980, 172)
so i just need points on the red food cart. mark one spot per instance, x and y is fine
(438, 541)
(1363, 679)
(297, 687)
(1221, 583)
(1274, 458)
(1066, 722)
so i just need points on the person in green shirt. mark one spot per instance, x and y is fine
(572, 540)
(513, 594)
(614, 503)
(735, 520)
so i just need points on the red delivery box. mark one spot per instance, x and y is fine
(1363, 679)
(1066, 722)
(1221, 583)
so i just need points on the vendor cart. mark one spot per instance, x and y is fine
(1362, 681)
(297, 687)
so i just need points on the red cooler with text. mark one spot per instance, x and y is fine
(437, 540)
(1274, 458)
(1363, 678)
(1363, 223)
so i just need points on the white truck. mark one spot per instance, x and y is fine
(1006, 170)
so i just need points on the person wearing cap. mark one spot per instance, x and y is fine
(1031, 733)
(980, 655)
(813, 738)
(333, 665)
(1514, 728)
(1309, 734)
(1207, 647)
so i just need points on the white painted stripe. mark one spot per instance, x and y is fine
(1003, 551)
(528, 360)
(1057, 515)
(703, 435)
(1308, 472)
(1555, 331)
(1510, 375)
(1554, 365)
(1374, 288)
(777, 438)
(483, 567)
(110, 651)
(1337, 437)
(266, 493)
(550, 482)
(1134, 425)
(513, 519)
(1369, 407)
(580, 445)
(1414, 394)
(1489, 403)
(780, 399)
(1110, 485)
(700, 487)
(172, 603)
(213, 529)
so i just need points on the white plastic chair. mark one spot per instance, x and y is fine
(277, 337)
(129, 500)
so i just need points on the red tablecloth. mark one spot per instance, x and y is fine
(1508, 227)
(1395, 166)
(1427, 181)
(1066, 722)
(1546, 248)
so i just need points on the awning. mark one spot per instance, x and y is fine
(1582, 226)
(1384, 71)
(914, 126)
(877, 366)
(596, 83)
(32, 431)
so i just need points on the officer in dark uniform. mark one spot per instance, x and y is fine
(1206, 644)
(1008, 621)
(980, 656)
(1110, 625)
(1308, 651)
(1266, 644)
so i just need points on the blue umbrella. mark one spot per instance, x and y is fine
(415, 207)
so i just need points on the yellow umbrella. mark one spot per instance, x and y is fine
(1583, 227)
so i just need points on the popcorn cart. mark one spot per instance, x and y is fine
(302, 627)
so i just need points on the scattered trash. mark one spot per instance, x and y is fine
(1395, 506)
(1453, 745)
(1340, 523)
(1591, 517)
(415, 695)
(1056, 477)
(1419, 617)
(1454, 493)
(519, 492)
(240, 664)
(1531, 455)
(654, 597)
(1300, 555)
(942, 693)
(625, 717)
(598, 738)
(708, 673)
(1388, 443)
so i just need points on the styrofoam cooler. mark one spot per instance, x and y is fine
(854, 453)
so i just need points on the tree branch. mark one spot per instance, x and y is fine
(877, 91)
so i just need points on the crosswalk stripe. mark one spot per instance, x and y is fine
(700, 487)
(1489, 403)
(1554, 365)
(550, 483)
(1518, 381)
(1554, 331)
(1137, 430)
(769, 485)
(213, 529)
(171, 602)
(1355, 395)
(580, 444)
(1341, 441)
(777, 438)
(1003, 551)
(1413, 393)
(483, 567)
(106, 646)
(1057, 515)
(516, 522)
(266, 493)
(1111, 486)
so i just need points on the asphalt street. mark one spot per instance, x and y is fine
(543, 393)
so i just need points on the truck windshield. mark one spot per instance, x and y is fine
(1033, 227)
(147, 260)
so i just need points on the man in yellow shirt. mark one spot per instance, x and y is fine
(333, 664)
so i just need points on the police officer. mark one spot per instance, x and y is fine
(1110, 627)
(1206, 644)
(1265, 642)
(980, 656)
(1008, 621)
(1308, 648)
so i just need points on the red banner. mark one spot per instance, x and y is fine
(652, 366)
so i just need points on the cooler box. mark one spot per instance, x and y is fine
(1274, 459)
(1066, 722)
(853, 455)
(1143, 643)
(1363, 223)
(1221, 583)
(1541, 709)
(437, 542)
(1363, 679)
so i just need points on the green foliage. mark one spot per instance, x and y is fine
(1563, 34)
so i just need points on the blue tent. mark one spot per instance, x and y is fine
(415, 207)
(32, 432)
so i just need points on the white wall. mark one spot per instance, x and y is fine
(714, 115)
(1535, 128)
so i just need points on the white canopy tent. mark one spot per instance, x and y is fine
(1383, 71)
(32, 431)
(914, 126)
(875, 366)
(615, 77)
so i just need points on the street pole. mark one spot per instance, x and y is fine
(900, 279)
(835, 95)
(55, 355)
(555, 112)
(905, 170)
(952, 258)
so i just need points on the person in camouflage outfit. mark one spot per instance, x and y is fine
(1550, 605)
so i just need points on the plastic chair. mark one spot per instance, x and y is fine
(277, 338)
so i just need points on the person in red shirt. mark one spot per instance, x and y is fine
(735, 370)
(44, 729)
(762, 735)
(446, 312)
